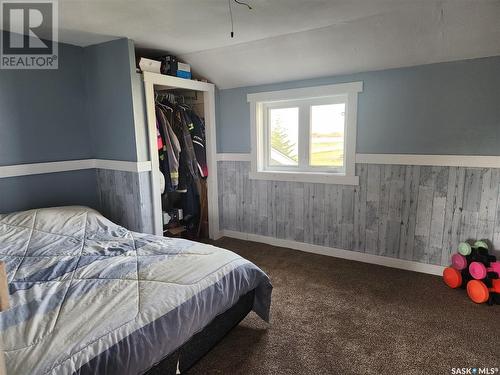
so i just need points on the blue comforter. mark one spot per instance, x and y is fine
(89, 296)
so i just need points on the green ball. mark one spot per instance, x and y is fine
(464, 248)
(482, 244)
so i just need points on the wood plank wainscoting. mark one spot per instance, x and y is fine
(416, 213)
(125, 197)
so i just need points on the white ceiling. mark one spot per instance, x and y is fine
(280, 40)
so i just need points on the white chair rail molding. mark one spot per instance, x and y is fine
(305, 134)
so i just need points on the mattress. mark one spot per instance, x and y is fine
(89, 296)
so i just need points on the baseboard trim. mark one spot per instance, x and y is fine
(338, 253)
(72, 165)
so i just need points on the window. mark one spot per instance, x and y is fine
(305, 134)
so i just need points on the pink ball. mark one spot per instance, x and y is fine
(458, 261)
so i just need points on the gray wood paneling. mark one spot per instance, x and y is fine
(125, 198)
(372, 208)
(360, 196)
(416, 213)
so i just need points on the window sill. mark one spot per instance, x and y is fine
(312, 177)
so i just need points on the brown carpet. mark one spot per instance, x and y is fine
(333, 316)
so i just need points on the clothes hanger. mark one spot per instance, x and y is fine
(165, 106)
(170, 97)
(160, 102)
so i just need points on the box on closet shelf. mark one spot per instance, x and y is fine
(172, 67)
(148, 65)
(183, 70)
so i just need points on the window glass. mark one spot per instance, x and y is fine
(284, 136)
(327, 135)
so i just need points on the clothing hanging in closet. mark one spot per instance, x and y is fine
(182, 154)
(169, 151)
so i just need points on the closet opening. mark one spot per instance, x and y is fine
(183, 164)
(181, 129)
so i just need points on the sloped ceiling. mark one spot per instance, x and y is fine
(280, 40)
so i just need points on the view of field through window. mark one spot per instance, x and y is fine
(326, 143)
(327, 135)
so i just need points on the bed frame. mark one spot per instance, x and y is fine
(200, 344)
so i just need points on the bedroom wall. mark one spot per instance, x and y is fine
(447, 108)
(116, 117)
(416, 213)
(410, 212)
(49, 190)
(42, 120)
(125, 198)
(109, 100)
(89, 108)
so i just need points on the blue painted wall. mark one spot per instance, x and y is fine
(42, 114)
(81, 110)
(109, 101)
(446, 108)
(49, 190)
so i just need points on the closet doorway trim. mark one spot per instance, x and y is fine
(154, 81)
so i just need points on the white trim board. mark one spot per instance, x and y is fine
(166, 82)
(470, 161)
(339, 253)
(307, 92)
(72, 165)
(41, 168)
(127, 166)
(318, 178)
(233, 157)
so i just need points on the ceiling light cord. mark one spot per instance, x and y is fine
(243, 3)
(229, 2)
(231, 15)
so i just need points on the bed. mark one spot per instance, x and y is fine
(90, 297)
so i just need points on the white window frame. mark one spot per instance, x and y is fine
(304, 98)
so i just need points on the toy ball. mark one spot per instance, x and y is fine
(452, 277)
(482, 244)
(477, 291)
(464, 248)
(479, 271)
(458, 261)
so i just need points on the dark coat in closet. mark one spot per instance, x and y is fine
(188, 169)
(197, 131)
(162, 153)
(172, 147)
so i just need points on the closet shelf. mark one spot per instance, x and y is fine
(162, 81)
